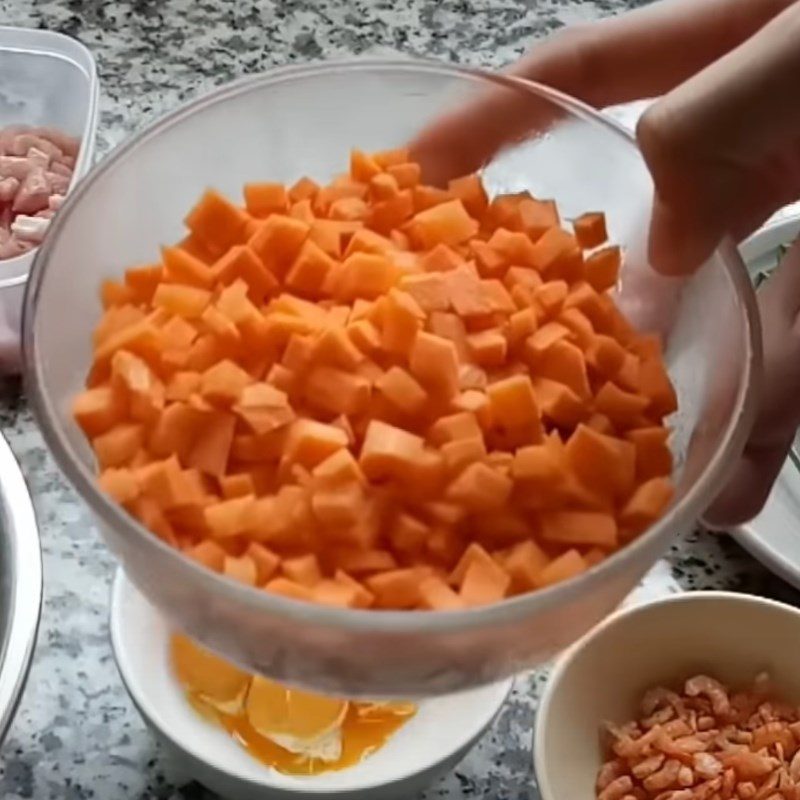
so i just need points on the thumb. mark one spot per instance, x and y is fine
(709, 142)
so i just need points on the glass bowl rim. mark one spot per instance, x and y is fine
(353, 620)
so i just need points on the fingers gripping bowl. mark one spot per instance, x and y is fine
(580, 159)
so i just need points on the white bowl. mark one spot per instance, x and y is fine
(602, 678)
(426, 747)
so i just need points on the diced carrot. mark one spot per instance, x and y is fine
(536, 217)
(515, 248)
(654, 383)
(390, 214)
(601, 423)
(450, 326)
(270, 384)
(303, 189)
(237, 485)
(336, 348)
(564, 362)
(406, 174)
(224, 382)
(367, 241)
(362, 598)
(434, 362)
(523, 563)
(388, 451)
(602, 462)
(362, 166)
(263, 199)
(647, 503)
(311, 442)
(447, 223)
(216, 222)
(241, 263)
(488, 348)
(520, 326)
(402, 390)
(484, 582)
(469, 189)
(606, 355)
(398, 588)
(408, 534)
(361, 562)
(338, 468)
(491, 262)
(185, 301)
(383, 186)
(401, 319)
(550, 297)
(578, 528)
(436, 595)
(471, 376)
(429, 290)
(441, 259)
(349, 209)
(211, 443)
(98, 410)
(290, 589)
(551, 250)
(462, 452)
(120, 484)
(590, 229)
(602, 268)
(480, 488)
(559, 404)
(336, 391)
(266, 562)
(241, 568)
(309, 270)
(566, 566)
(653, 456)
(143, 281)
(209, 554)
(278, 241)
(619, 406)
(367, 275)
(118, 446)
(228, 517)
(462, 425)
(513, 404)
(304, 570)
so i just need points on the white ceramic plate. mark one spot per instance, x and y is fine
(773, 537)
(426, 747)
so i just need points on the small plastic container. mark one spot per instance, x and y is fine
(48, 79)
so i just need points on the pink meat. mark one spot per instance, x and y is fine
(69, 145)
(8, 189)
(14, 167)
(61, 169)
(34, 193)
(25, 141)
(58, 184)
(38, 157)
(15, 247)
(55, 202)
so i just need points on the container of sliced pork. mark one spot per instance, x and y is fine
(48, 118)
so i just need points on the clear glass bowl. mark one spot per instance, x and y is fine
(303, 121)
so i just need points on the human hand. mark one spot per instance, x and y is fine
(722, 145)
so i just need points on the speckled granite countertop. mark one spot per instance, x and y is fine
(76, 735)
